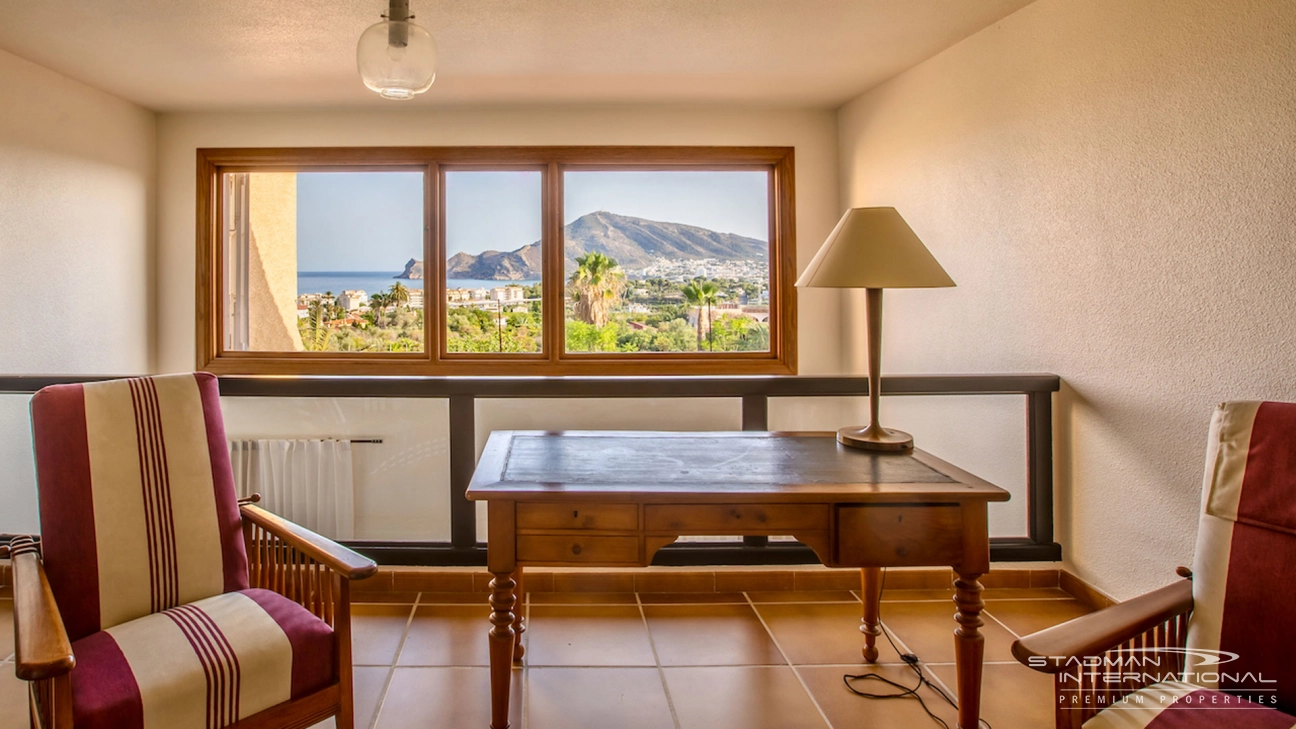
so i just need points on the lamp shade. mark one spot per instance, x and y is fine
(873, 248)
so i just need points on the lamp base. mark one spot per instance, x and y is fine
(875, 438)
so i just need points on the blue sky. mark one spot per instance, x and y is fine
(372, 221)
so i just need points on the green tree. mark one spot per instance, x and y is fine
(595, 286)
(708, 292)
(693, 295)
(316, 334)
(378, 304)
(398, 295)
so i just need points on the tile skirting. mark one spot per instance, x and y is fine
(691, 579)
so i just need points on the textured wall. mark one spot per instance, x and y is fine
(76, 222)
(76, 207)
(1110, 183)
(272, 262)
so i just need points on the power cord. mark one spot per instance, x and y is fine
(905, 692)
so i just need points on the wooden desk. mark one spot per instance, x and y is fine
(613, 498)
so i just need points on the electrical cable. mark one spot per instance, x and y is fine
(912, 661)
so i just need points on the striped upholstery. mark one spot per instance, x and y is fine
(203, 665)
(1246, 554)
(1243, 570)
(137, 505)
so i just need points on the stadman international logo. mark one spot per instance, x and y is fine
(1109, 681)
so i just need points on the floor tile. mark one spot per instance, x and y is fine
(444, 697)
(588, 635)
(448, 635)
(927, 628)
(804, 596)
(582, 598)
(367, 685)
(376, 632)
(941, 595)
(1024, 617)
(746, 697)
(13, 700)
(681, 598)
(763, 580)
(848, 711)
(821, 632)
(575, 698)
(380, 598)
(1012, 696)
(454, 598)
(1025, 593)
(990, 593)
(710, 635)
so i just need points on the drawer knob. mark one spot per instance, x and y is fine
(576, 549)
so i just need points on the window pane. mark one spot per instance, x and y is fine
(673, 261)
(493, 262)
(323, 261)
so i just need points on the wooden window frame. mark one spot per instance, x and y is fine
(552, 162)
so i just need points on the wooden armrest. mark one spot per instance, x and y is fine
(321, 549)
(41, 645)
(1096, 633)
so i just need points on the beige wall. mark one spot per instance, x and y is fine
(813, 133)
(76, 221)
(272, 263)
(1110, 184)
(76, 209)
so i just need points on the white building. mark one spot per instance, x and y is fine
(505, 294)
(353, 299)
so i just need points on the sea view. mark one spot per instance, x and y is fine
(371, 282)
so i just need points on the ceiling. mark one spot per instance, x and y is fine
(171, 55)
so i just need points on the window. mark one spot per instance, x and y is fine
(496, 261)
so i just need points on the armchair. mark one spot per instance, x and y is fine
(1216, 648)
(154, 598)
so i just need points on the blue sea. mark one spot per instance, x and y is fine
(371, 282)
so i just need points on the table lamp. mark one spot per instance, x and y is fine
(873, 249)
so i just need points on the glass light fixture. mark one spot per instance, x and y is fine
(396, 57)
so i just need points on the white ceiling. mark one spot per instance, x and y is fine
(173, 55)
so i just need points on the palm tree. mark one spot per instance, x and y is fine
(595, 286)
(693, 295)
(709, 292)
(317, 335)
(398, 295)
(377, 303)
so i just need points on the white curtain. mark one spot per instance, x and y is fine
(309, 482)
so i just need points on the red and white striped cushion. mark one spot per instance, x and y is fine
(137, 504)
(203, 665)
(1179, 705)
(1246, 555)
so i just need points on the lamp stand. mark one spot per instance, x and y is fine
(875, 437)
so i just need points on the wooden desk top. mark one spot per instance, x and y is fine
(710, 467)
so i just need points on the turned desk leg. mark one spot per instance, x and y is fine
(871, 623)
(501, 646)
(969, 648)
(519, 619)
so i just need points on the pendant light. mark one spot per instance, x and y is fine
(396, 57)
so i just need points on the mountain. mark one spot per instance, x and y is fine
(519, 265)
(413, 270)
(632, 242)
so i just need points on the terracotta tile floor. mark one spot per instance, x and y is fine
(627, 660)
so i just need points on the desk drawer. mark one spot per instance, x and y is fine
(577, 549)
(736, 518)
(612, 517)
(899, 535)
